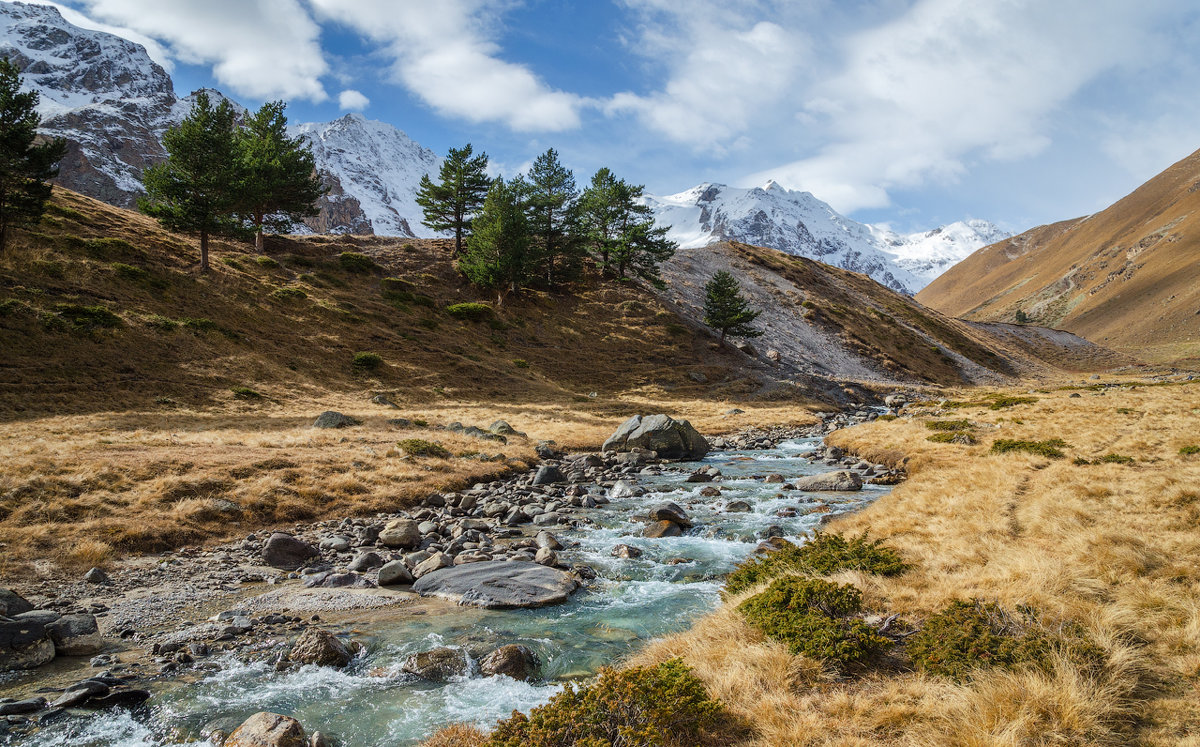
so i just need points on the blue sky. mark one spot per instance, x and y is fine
(908, 112)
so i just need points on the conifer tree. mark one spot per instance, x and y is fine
(553, 217)
(620, 229)
(726, 309)
(498, 250)
(197, 188)
(279, 181)
(451, 204)
(25, 167)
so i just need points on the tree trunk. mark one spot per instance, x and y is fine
(258, 240)
(722, 337)
(204, 251)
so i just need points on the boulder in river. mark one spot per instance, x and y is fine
(738, 507)
(842, 480)
(265, 729)
(25, 642)
(285, 552)
(669, 438)
(626, 551)
(320, 647)
(670, 512)
(499, 584)
(514, 660)
(664, 528)
(437, 665)
(75, 635)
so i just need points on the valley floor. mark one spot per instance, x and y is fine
(1110, 544)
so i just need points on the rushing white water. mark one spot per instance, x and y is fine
(632, 601)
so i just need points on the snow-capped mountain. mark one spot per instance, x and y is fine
(799, 223)
(377, 165)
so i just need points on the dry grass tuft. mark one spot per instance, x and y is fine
(457, 735)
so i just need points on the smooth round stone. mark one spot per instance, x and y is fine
(499, 584)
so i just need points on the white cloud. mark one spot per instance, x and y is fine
(445, 55)
(262, 49)
(723, 68)
(156, 51)
(950, 81)
(353, 101)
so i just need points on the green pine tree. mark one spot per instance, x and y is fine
(451, 204)
(726, 309)
(25, 167)
(197, 188)
(498, 253)
(279, 186)
(553, 217)
(620, 229)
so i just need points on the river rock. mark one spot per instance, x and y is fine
(669, 438)
(24, 642)
(842, 480)
(738, 507)
(265, 729)
(434, 562)
(401, 533)
(626, 551)
(502, 428)
(366, 561)
(546, 556)
(122, 698)
(670, 512)
(547, 540)
(75, 635)
(320, 647)
(287, 553)
(548, 474)
(437, 665)
(513, 660)
(662, 528)
(499, 584)
(96, 576)
(331, 419)
(331, 580)
(12, 603)
(394, 573)
(19, 707)
(710, 491)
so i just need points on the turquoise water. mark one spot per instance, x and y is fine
(632, 601)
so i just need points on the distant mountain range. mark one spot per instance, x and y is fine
(113, 103)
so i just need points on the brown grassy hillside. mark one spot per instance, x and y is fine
(1127, 277)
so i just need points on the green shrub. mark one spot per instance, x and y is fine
(10, 307)
(88, 317)
(408, 248)
(822, 555)
(422, 448)
(367, 361)
(949, 425)
(199, 326)
(245, 392)
(161, 323)
(355, 262)
(266, 262)
(1190, 450)
(288, 294)
(129, 272)
(949, 437)
(48, 268)
(471, 312)
(887, 418)
(233, 262)
(636, 707)
(970, 634)
(521, 363)
(1114, 459)
(64, 211)
(1051, 448)
(420, 423)
(814, 618)
(1126, 411)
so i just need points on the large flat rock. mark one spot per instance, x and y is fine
(499, 584)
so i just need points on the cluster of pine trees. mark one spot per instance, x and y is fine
(540, 228)
(229, 177)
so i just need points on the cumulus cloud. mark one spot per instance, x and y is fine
(353, 101)
(445, 54)
(919, 98)
(258, 48)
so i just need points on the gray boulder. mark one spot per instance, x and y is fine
(513, 660)
(266, 729)
(625, 551)
(75, 635)
(402, 533)
(499, 584)
(285, 552)
(670, 512)
(366, 561)
(842, 480)
(320, 647)
(12, 603)
(394, 573)
(24, 642)
(435, 562)
(738, 507)
(96, 576)
(502, 428)
(548, 474)
(438, 665)
(331, 419)
(670, 438)
(331, 580)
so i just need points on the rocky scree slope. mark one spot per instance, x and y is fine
(1125, 277)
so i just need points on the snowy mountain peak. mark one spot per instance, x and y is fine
(798, 223)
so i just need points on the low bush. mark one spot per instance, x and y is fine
(948, 437)
(421, 448)
(887, 418)
(129, 272)
(266, 262)
(471, 312)
(521, 363)
(161, 323)
(288, 294)
(824, 554)
(1190, 450)
(971, 634)
(245, 392)
(87, 318)
(1052, 448)
(10, 307)
(1114, 459)
(814, 618)
(665, 704)
(949, 425)
(355, 262)
(367, 361)
(199, 326)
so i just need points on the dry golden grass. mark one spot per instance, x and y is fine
(456, 735)
(1112, 547)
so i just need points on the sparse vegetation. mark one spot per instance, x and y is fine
(87, 318)
(288, 294)
(366, 361)
(949, 425)
(1190, 450)
(1052, 448)
(357, 262)
(471, 312)
(964, 438)
(521, 363)
(419, 447)
(246, 393)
